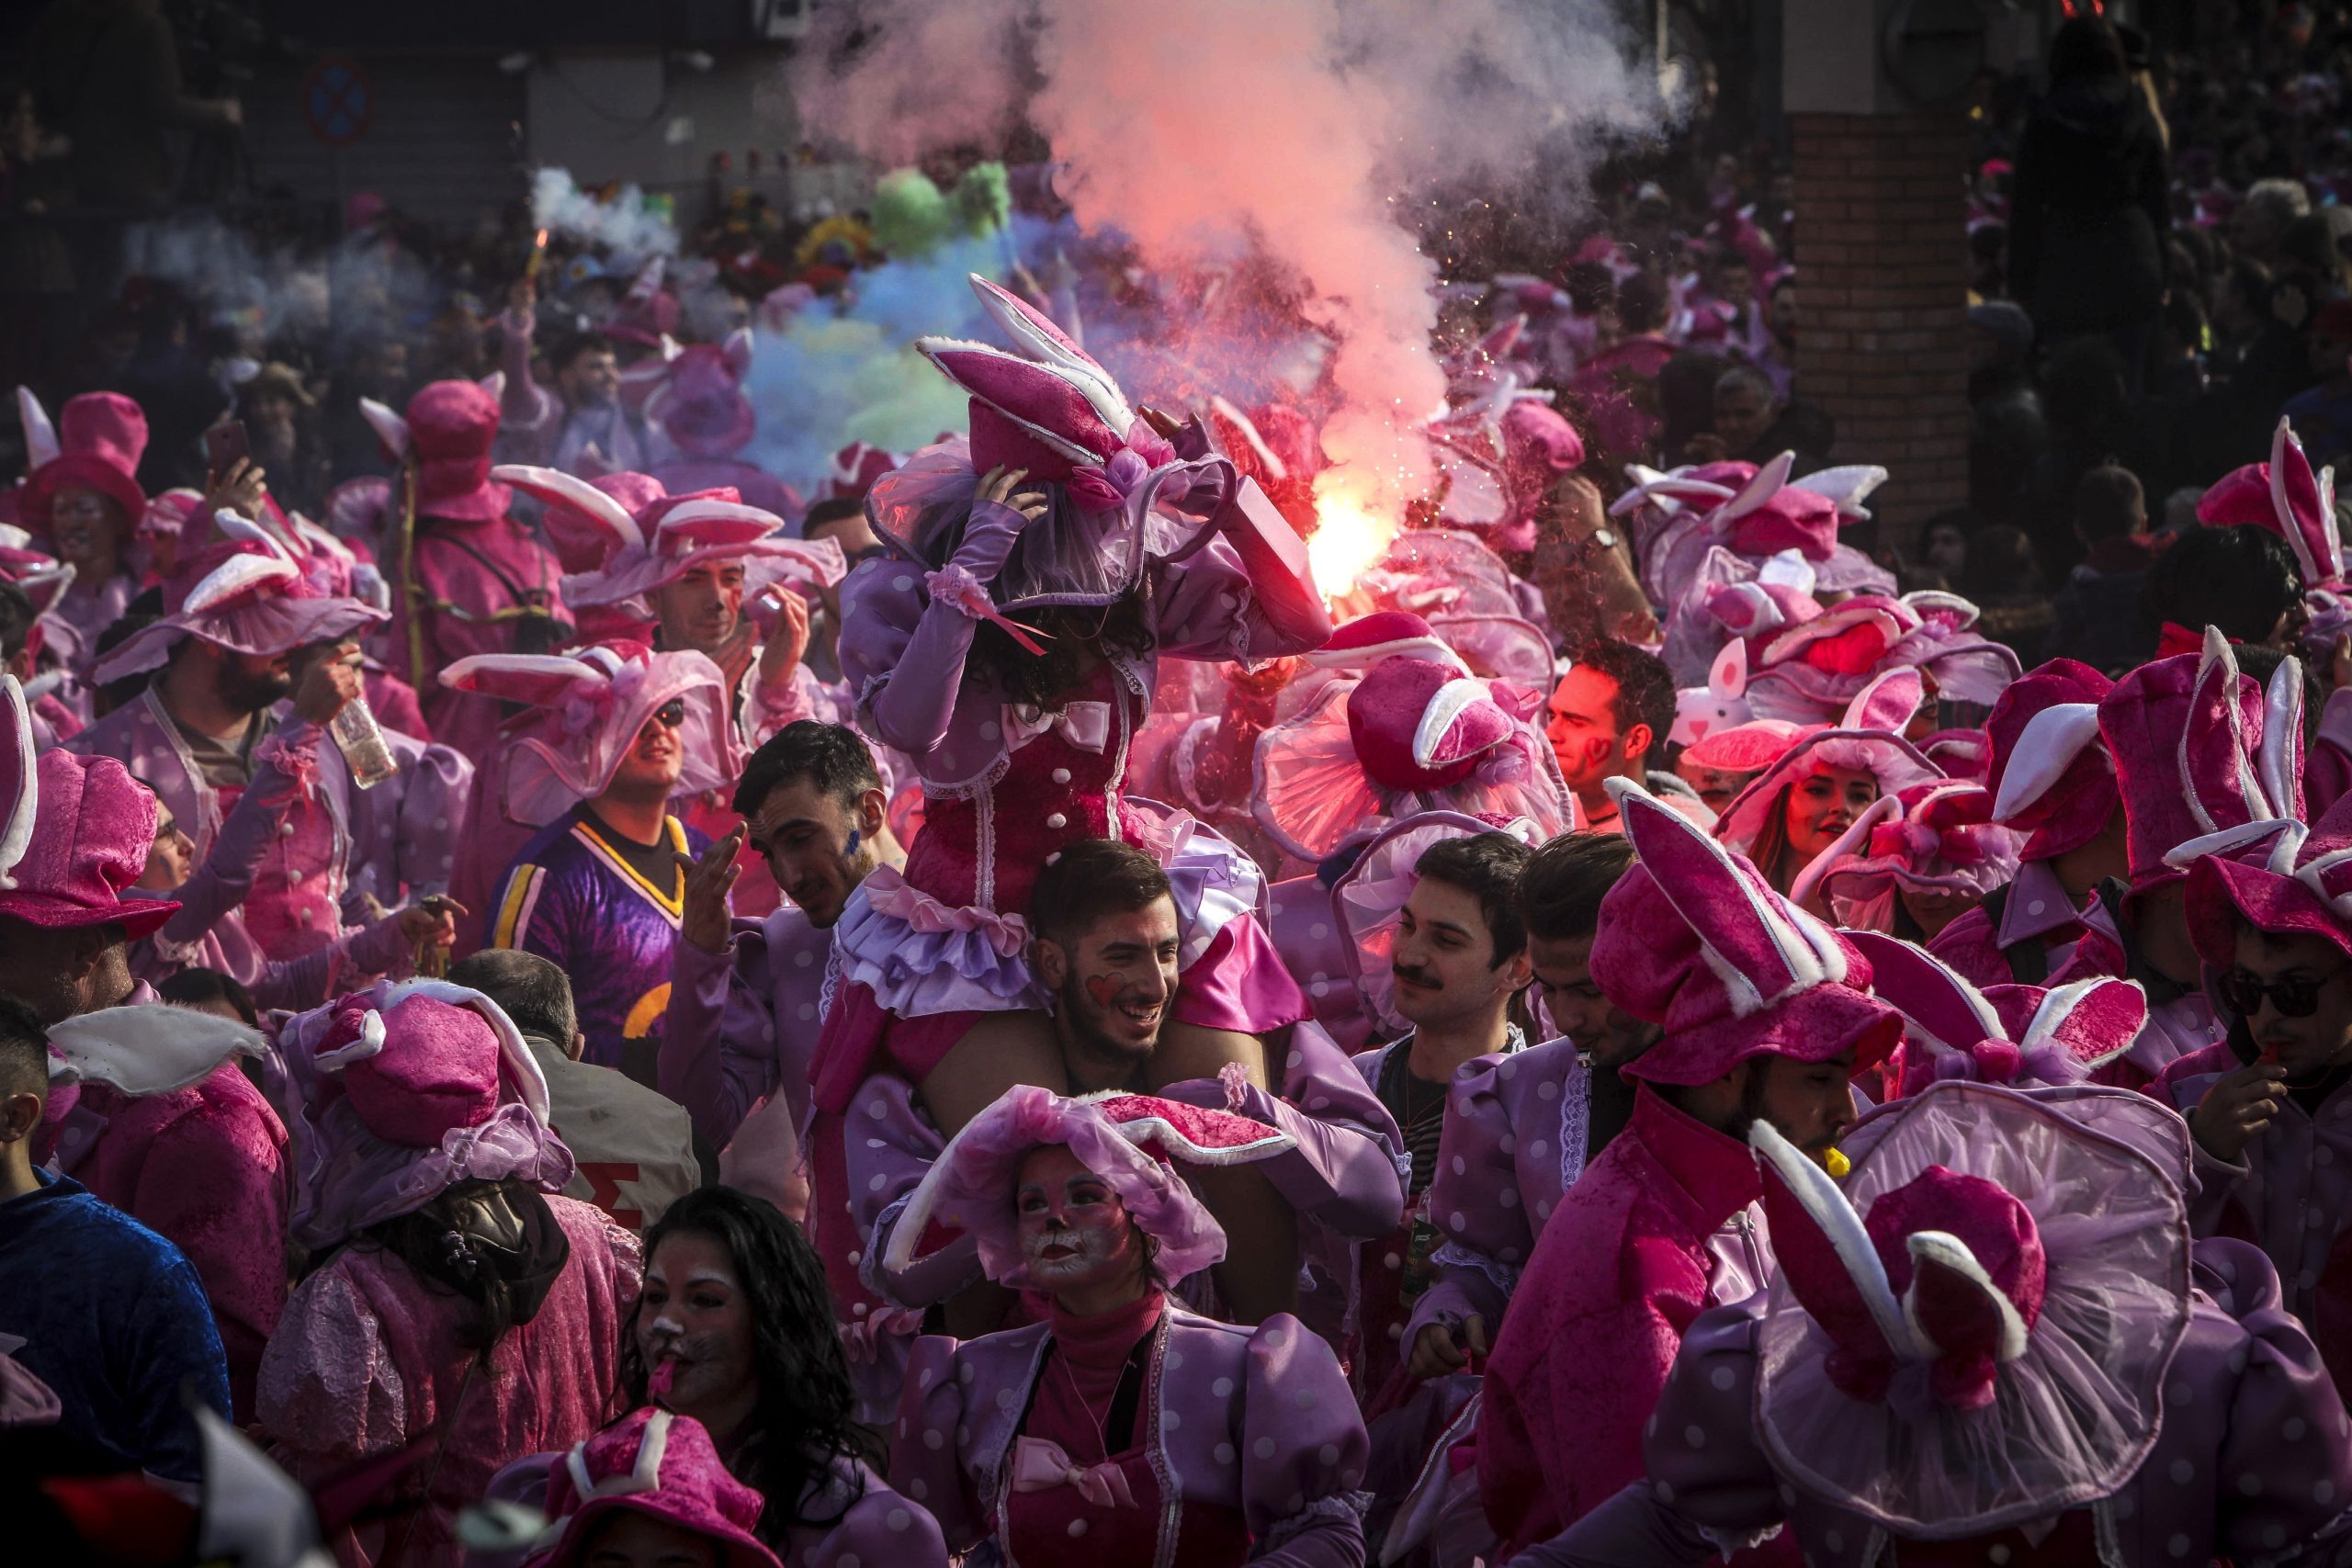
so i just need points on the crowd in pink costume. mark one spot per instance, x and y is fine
(601, 1003)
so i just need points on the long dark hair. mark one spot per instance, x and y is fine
(805, 1418)
(1771, 843)
(494, 1244)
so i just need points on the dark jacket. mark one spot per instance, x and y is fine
(2088, 214)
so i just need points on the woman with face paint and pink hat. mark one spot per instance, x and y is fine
(1122, 1428)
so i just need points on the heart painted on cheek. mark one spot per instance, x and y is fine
(1104, 989)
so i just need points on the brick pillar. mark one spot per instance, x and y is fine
(1881, 290)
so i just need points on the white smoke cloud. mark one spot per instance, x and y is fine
(629, 231)
(1305, 131)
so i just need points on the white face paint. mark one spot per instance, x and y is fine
(1061, 1255)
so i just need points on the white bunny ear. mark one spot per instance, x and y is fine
(496, 385)
(233, 526)
(669, 349)
(1770, 481)
(2281, 764)
(389, 428)
(1847, 487)
(1788, 569)
(148, 1050)
(40, 436)
(1821, 1202)
(1727, 677)
(2047, 746)
(737, 352)
(19, 776)
(234, 577)
(557, 487)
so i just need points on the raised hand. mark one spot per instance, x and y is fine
(710, 880)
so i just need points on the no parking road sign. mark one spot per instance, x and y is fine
(337, 101)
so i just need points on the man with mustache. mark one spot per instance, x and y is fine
(1762, 1015)
(1529, 1127)
(1460, 957)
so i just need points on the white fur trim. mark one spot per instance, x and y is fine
(1770, 481)
(1942, 1246)
(1155, 1129)
(2047, 746)
(1845, 843)
(554, 485)
(1447, 705)
(462, 675)
(2282, 734)
(234, 526)
(234, 577)
(1927, 599)
(677, 517)
(40, 436)
(1826, 1206)
(147, 1049)
(16, 831)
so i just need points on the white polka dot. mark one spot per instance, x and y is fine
(1998, 1554)
(1222, 1387)
(1276, 1338)
(2176, 1547)
(1834, 1541)
(2323, 1493)
(1304, 1399)
(1319, 988)
(947, 759)
(1538, 1149)
(1223, 1452)
(1077, 1527)
(2292, 1429)
(877, 1109)
(1457, 1220)
(1461, 1166)
(1007, 1398)
(846, 1560)
(1318, 1102)
(1170, 1420)
(1665, 1490)
(904, 1426)
(1695, 1436)
(1264, 1447)
(1507, 1142)
(1275, 909)
(804, 958)
(2122, 1505)
(963, 1374)
(898, 1518)
(1061, 775)
(1057, 820)
(807, 1010)
(902, 583)
(1328, 1454)
(1295, 1059)
(1392, 1260)
(1508, 1198)
(1397, 1331)
(1318, 931)
(1543, 1209)
(917, 1490)
(934, 1440)
(1175, 1360)
(1509, 1255)
(2037, 906)
(2183, 1473)
(2235, 1360)
(855, 1257)
(876, 1184)
(1723, 1378)
(1547, 1089)
(991, 730)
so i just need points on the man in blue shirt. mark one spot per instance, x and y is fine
(98, 1306)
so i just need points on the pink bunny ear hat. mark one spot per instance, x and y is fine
(1692, 939)
(2184, 732)
(2052, 775)
(1134, 1142)
(1869, 740)
(1995, 1280)
(659, 1464)
(2285, 497)
(2022, 1036)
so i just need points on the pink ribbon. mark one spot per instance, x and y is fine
(1040, 1466)
(961, 589)
(1086, 726)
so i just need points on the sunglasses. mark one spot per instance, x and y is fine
(671, 715)
(2297, 996)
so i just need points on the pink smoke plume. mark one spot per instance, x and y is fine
(1303, 131)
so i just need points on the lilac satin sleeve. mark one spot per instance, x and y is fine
(887, 1156)
(880, 1527)
(924, 1461)
(2286, 1430)
(1475, 1198)
(889, 629)
(226, 877)
(718, 1034)
(1303, 1452)
(433, 784)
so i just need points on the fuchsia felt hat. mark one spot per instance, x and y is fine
(1132, 1140)
(1695, 939)
(584, 538)
(1367, 751)
(100, 438)
(449, 430)
(2287, 498)
(401, 1091)
(2184, 733)
(1745, 748)
(855, 468)
(74, 833)
(1363, 642)
(2052, 775)
(670, 536)
(663, 1466)
(245, 592)
(1999, 1276)
(596, 700)
(1869, 740)
(1936, 836)
(2023, 1036)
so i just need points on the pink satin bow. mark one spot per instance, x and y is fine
(1040, 1466)
(1086, 726)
